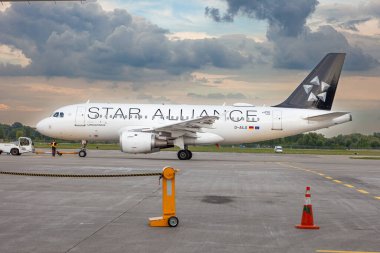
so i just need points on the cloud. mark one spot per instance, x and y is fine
(352, 24)
(11, 55)
(153, 99)
(286, 17)
(305, 51)
(347, 12)
(4, 107)
(76, 40)
(296, 46)
(217, 96)
(23, 108)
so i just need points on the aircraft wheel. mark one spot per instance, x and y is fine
(14, 151)
(1, 152)
(190, 154)
(183, 154)
(173, 221)
(82, 153)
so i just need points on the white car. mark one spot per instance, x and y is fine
(23, 145)
(278, 149)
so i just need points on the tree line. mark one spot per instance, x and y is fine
(315, 140)
(308, 140)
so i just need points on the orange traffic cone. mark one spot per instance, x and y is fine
(307, 221)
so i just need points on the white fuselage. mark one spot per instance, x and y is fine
(235, 125)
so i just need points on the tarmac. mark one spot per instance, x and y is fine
(226, 202)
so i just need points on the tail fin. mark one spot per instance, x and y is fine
(317, 91)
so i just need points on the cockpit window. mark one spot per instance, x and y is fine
(58, 115)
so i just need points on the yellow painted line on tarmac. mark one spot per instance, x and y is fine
(362, 191)
(336, 181)
(344, 251)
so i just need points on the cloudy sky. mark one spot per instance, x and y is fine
(193, 52)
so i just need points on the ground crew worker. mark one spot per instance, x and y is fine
(53, 145)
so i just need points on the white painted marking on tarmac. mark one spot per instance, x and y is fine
(329, 177)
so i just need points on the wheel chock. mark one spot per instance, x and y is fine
(168, 218)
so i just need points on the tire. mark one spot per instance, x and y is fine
(14, 151)
(190, 154)
(183, 155)
(82, 153)
(173, 221)
(1, 152)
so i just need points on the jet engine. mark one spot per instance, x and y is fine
(140, 142)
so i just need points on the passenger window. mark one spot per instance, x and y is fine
(56, 114)
(61, 114)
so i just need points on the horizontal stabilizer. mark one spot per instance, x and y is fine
(327, 116)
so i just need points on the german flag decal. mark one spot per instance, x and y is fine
(251, 128)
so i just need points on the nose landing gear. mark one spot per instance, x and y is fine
(83, 152)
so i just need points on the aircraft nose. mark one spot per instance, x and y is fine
(42, 126)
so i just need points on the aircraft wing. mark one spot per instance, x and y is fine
(186, 127)
(327, 116)
(192, 125)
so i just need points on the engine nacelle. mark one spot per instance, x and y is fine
(139, 142)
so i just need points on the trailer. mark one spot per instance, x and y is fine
(23, 145)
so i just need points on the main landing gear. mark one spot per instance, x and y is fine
(184, 154)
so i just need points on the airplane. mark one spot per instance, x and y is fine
(148, 128)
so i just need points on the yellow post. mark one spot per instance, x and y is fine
(168, 218)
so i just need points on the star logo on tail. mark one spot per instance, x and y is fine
(321, 91)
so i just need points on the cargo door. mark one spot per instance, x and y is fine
(277, 120)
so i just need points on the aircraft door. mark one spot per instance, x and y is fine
(80, 116)
(276, 120)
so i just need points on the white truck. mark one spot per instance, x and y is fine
(23, 145)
